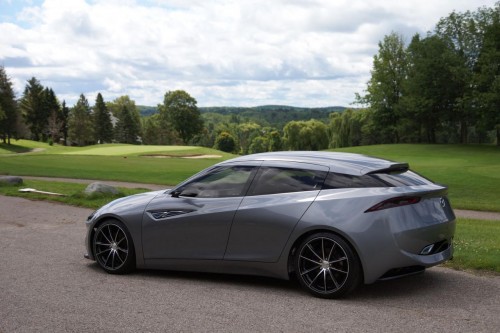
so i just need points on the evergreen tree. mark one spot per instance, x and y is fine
(34, 110)
(126, 130)
(103, 127)
(8, 107)
(80, 122)
(130, 117)
(64, 120)
(53, 110)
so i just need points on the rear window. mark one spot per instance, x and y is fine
(408, 178)
(273, 180)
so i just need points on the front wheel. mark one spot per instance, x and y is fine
(326, 266)
(113, 247)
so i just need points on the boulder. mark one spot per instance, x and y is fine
(101, 189)
(10, 180)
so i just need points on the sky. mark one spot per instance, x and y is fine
(305, 53)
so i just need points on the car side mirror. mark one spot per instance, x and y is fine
(176, 193)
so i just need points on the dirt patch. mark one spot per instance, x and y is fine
(183, 156)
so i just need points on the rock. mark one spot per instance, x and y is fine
(11, 180)
(101, 188)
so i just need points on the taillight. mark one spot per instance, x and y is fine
(394, 202)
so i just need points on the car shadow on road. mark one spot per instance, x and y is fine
(436, 283)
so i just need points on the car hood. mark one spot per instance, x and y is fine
(132, 203)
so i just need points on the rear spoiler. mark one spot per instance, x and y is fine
(393, 168)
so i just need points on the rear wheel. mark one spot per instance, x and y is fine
(113, 247)
(326, 266)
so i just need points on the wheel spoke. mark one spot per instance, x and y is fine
(315, 262)
(324, 278)
(104, 235)
(312, 250)
(338, 270)
(331, 251)
(333, 279)
(121, 240)
(118, 256)
(337, 260)
(310, 270)
(317, 275)
(107, 258)
(323, 248)
(103, 251)
(123, 250)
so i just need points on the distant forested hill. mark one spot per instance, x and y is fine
(276, 115)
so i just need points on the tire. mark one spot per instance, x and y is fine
(113, 247)
(326, 266)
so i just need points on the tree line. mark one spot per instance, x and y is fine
(440, 88)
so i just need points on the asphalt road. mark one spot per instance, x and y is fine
(47, 286)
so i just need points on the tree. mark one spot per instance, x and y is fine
(8, 107)
(465, 33)
(488, 79)
(34, 110)
(80, 122)
(385, 86)
(64, 122)
(131, 119)
(433, 85)
(180, 109)
(126, 130)
(246, 132)
(103, 127)
(225, 142)
(259, 145)
(275, 142)
(306, 135)
(53, 110)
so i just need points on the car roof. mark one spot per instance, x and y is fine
(347, 163)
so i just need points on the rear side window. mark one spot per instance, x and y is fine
(272, 180)
(408, 178)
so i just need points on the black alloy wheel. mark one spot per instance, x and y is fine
(326, 266)
(113, 247)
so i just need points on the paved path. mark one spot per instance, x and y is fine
(47, 286)
(472, 214)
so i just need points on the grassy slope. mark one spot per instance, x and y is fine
(124, 163)
(472, 172)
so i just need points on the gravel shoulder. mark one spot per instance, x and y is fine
(47, 286)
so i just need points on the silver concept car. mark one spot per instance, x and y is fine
(334, 220)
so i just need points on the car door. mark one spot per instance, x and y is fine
(193, 220)
(276, 200)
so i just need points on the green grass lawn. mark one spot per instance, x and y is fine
(124, 162)
(477, 245)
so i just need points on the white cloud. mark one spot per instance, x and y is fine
(249, 52)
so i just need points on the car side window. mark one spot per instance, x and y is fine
(219, 183)
(272, 180)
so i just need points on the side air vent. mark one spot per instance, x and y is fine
(163, 214)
